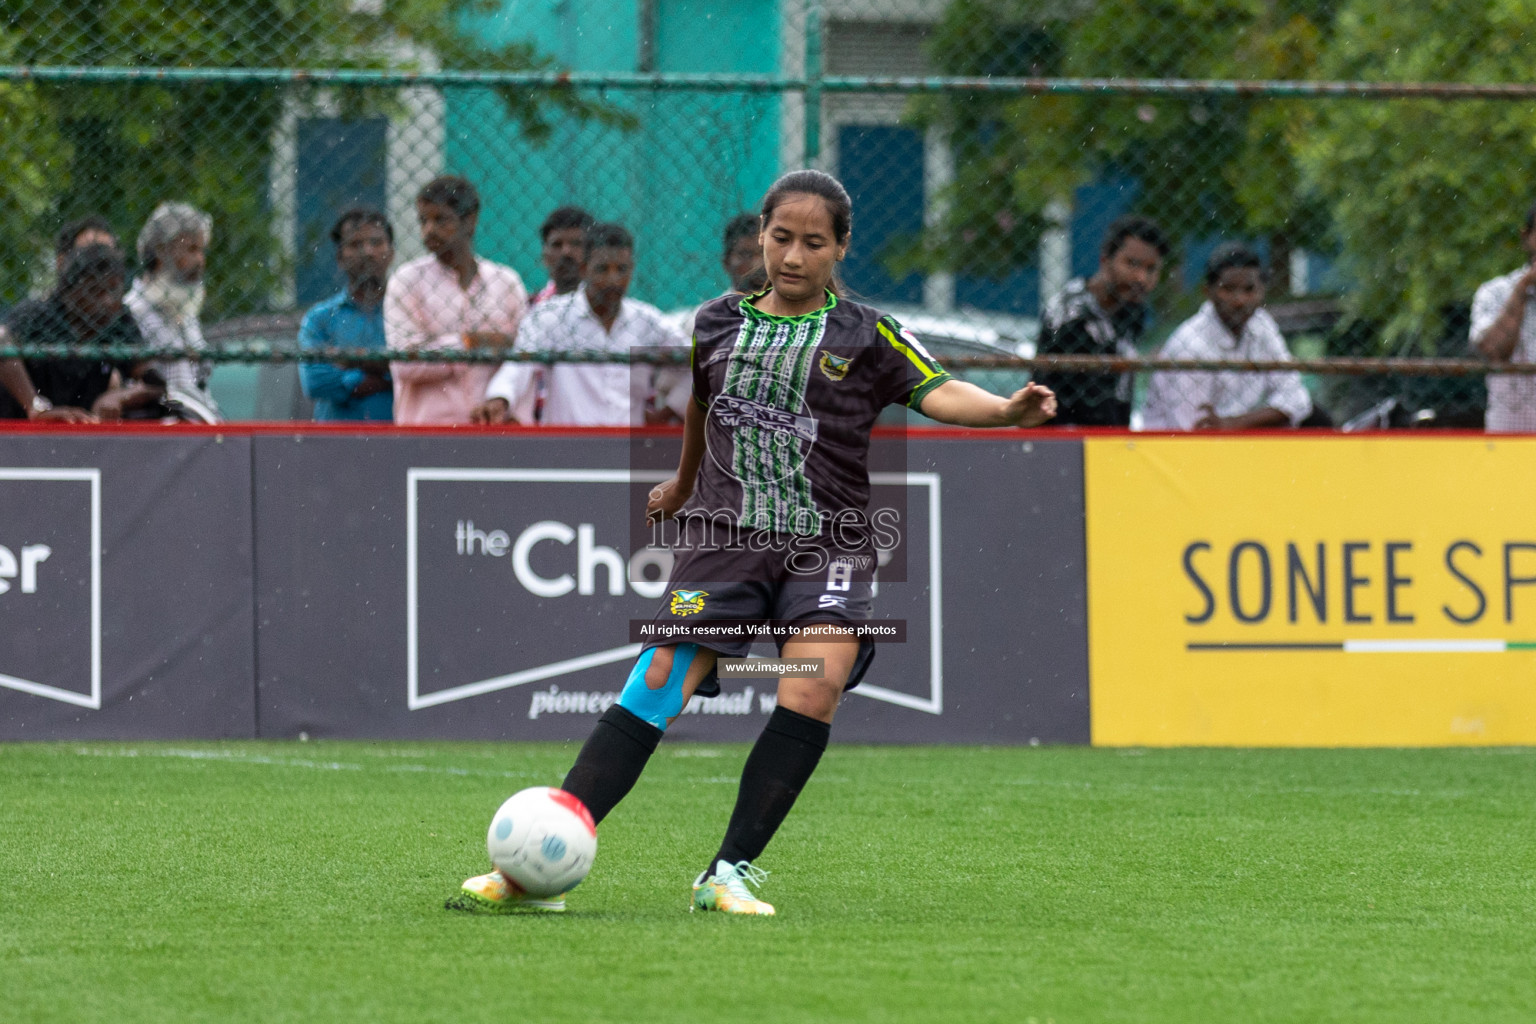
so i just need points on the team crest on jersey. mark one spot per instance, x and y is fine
(835, 368)
(686, 602)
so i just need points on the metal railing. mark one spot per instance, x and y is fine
(956, 122)
(238, 353)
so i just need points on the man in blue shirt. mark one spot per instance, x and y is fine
(353, 318)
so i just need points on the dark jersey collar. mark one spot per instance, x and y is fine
(750, 310)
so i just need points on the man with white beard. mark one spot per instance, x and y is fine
(166, 299)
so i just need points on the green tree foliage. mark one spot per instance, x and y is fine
(1421, 199)
(26, 175)
(1426, 197)
(120, 150)
(1212, 165)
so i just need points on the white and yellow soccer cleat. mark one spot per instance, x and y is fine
(493, 894)
(726, 890)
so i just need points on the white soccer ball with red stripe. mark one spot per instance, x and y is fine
(543, 840)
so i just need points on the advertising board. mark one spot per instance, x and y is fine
(1312, 592)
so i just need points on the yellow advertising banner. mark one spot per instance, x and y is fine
(1338, 591)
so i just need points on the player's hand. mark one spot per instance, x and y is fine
(1031, 405)
(491, 412)
(665, 500)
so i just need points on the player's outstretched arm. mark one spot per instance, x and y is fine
(668, 497)
(966, 405)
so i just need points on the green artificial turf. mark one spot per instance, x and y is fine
(276, 882)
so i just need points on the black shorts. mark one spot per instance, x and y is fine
(775, 579)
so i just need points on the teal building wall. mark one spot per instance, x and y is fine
(693, 161)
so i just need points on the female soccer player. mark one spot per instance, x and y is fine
(770, 495)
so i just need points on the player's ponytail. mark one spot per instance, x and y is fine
(831, 192)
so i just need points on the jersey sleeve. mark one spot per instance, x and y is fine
(907, 370)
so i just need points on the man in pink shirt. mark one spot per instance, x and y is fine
(450, 300)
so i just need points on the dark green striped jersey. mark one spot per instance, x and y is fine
(791, 402)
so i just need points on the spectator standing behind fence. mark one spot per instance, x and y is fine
(1504, 331)
(450, 301)
(743, 259)
(78, 234)
(353, 318)
(562, 249)
(597, 317)
(74, 236)
(1232, 324)
(167, 300)
(1103, 316)
(86, 308)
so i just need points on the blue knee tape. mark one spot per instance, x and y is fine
(666, 702)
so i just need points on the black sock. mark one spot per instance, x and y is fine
(779, 766)
(611, 760)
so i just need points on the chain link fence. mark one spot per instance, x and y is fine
(1373, 158)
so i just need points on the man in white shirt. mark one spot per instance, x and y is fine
(1233, 325)
(598, 316)
(1504, 331)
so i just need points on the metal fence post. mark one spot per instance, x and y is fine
(813, 73)
(645, 42)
